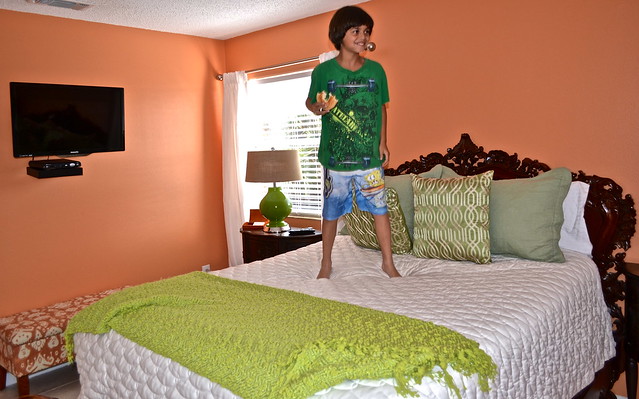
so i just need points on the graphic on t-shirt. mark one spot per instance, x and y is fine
(370, 85)
(353, 120)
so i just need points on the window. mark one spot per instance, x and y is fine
(279, 119)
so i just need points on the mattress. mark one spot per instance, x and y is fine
(544, 324)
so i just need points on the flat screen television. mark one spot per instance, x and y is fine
(56, 119)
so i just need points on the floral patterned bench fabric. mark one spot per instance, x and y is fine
(33, 340)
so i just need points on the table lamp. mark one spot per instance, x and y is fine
(272, 167)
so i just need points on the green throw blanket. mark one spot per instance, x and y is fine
(262, 342)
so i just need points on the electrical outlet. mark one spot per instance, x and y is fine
(206, 268)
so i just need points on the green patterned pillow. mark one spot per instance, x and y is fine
(361, 226)
(452, 218)
(404, 186)
(526, 215)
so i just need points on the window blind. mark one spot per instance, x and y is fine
(282, 121)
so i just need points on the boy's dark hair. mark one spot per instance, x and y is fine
(344, 19)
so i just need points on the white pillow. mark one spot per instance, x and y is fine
(574, 233)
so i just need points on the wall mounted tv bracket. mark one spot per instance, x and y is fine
(371, 85)
(364, 161)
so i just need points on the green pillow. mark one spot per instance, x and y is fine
(452, 218)
(526, 215)
(448, 173)
(361, 225)
(403, 184)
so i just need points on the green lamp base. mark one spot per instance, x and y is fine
(276, 207)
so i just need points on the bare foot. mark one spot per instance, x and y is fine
(391, 270)
(325, 270)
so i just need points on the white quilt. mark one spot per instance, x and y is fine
(545, 325)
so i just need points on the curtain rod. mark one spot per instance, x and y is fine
(277, 66)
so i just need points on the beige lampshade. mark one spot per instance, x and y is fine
(273, 166)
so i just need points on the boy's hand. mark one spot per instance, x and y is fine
(317, 108)
(320, 108)
(384, 155)
(325, 102)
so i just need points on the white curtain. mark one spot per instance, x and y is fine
(234, 158)
(232, 161)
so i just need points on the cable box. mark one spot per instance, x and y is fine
(42, 173)
(54, 164)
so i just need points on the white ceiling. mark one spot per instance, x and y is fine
(216, 19)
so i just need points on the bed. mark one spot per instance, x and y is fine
(550, 320)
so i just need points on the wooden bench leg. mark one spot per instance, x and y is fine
(3, 378)
(23, 385)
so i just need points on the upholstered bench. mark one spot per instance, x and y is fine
(33, 340)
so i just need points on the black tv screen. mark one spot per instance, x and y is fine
(54, 119)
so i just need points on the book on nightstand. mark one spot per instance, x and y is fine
(253, 225)
(256, 221)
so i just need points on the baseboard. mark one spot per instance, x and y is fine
(11, 380)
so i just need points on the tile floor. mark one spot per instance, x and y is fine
(61, 383)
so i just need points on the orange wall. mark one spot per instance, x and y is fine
(551, 80)
(556, 81)
(139, 215)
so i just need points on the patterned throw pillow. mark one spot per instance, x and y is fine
(404, 186)
(361, 226)
(527, 216)
(452, 218)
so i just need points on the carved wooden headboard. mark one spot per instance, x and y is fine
(610, 218)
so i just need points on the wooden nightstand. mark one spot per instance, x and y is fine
(632, 327)
(258, 245)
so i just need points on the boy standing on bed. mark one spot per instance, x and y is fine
(350, 92)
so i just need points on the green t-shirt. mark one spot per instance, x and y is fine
(351, 130)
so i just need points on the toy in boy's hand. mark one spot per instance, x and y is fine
(330, 101)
